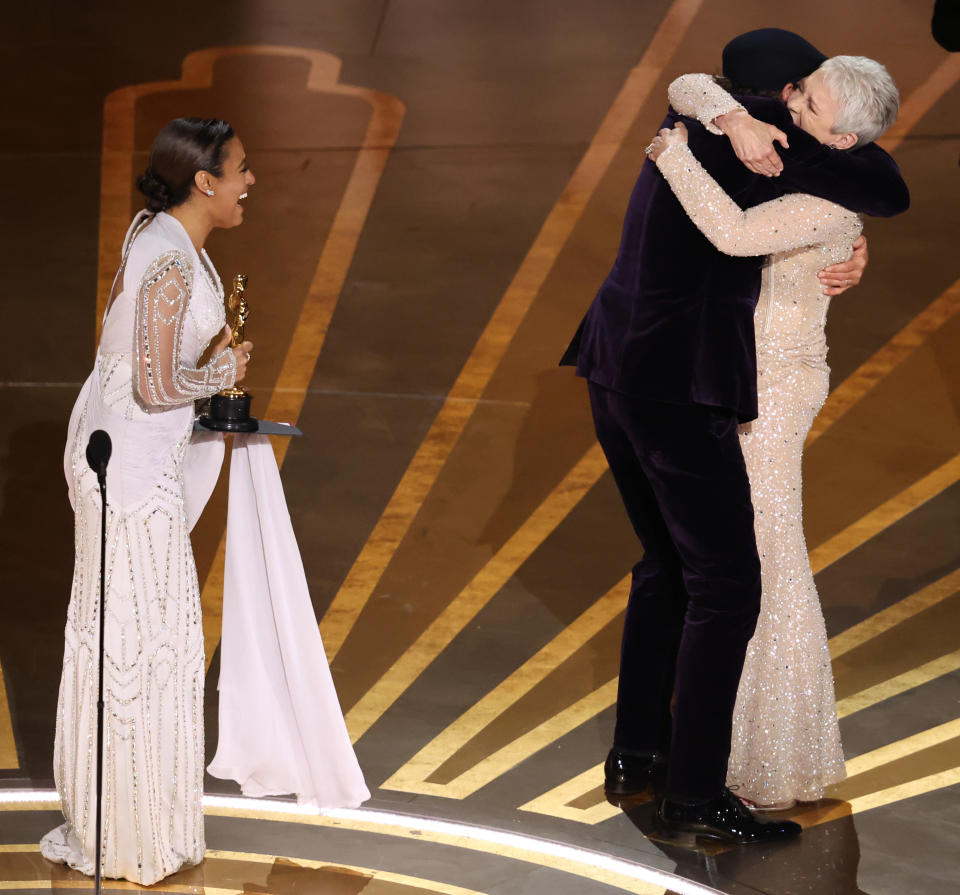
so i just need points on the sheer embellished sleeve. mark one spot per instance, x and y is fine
(701, 97)
(161, 378)
(780, 225)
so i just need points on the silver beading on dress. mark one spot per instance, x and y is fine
(142, 391)
(163, 300)
(786, 740)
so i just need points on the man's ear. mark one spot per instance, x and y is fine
(843, 141)
(787, 92)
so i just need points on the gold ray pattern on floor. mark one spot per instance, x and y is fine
(880, 622)
(872, 371)
(557, 802)
(907, 746)
(472, 641)
(459, 405)
(831, 811)
(413, 776)
(542, 735)
(888, 513)
(485, 584)
(908, 680)
(405, 670)
(587, 787)
(905, 791)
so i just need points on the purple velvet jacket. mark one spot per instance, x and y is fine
(673, 321)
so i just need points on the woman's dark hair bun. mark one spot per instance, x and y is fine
(156, 191)
(183, 147)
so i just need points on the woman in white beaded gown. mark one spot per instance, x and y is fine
(786, 739)
(166, 310)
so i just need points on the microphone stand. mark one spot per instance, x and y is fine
(98, 454)
(102, 479)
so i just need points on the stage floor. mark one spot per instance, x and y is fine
(440, 188)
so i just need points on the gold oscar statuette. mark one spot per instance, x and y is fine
(230, 409)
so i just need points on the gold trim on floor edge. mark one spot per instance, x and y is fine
(421, 833)
(213, 855)
(596, 866)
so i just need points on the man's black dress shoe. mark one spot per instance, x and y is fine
(725, 818)
(627, 773)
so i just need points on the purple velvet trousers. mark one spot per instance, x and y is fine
(695, 593)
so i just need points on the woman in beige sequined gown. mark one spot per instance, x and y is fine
(786, 740)
(167, 309)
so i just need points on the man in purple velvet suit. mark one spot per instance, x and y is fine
(667, 347)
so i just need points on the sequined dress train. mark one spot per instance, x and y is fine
(786, 739)
(141, 392)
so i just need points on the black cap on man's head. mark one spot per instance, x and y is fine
(769, 59)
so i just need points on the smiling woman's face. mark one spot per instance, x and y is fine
(231, 187)
(814, 109)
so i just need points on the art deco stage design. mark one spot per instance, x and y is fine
(440, 188)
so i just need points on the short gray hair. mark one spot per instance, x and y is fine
(867, 98)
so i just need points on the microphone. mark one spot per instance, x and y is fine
(98, 454)
(99, 448)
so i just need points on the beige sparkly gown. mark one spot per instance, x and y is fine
(141, 391)
(786, 740)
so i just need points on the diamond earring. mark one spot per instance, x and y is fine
(210, 192)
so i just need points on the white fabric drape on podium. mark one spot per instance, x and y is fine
(281, 726)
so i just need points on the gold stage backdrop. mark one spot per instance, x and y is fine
(317, 148)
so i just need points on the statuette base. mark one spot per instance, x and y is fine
(229, 411)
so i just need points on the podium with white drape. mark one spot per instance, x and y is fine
(281, 726)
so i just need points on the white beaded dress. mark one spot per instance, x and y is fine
(141, 391)
(786, 739)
